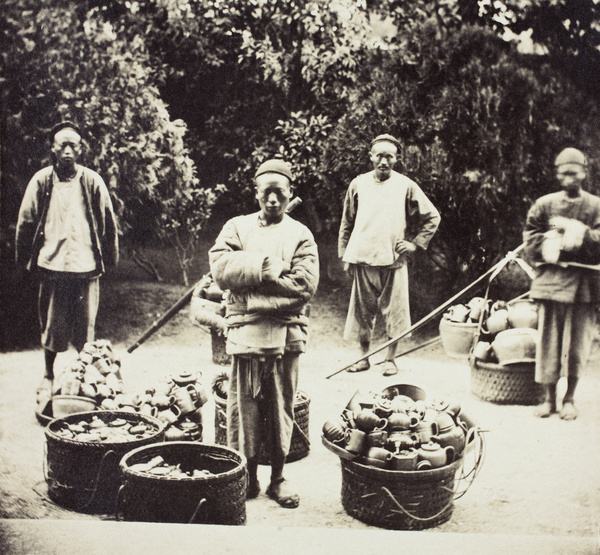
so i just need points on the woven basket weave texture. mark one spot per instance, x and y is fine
(505, 384)
(85, 476)
(300, 445)
(216, 499)
(218, 344)
(378, 497)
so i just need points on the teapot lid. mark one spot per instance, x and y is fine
(431, 446)
(185, 377)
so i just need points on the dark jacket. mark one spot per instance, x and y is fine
(99, 213)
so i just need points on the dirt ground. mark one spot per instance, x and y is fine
(538, 490)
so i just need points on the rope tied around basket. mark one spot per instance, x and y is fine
(474, 434)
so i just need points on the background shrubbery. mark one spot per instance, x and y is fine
(181, 99)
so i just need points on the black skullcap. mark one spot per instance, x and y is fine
(64, 125)
(275, 165)
(385, 138)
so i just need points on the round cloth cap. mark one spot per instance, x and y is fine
(275, 165)
(385, 138)
(64, 125)
(571, 156)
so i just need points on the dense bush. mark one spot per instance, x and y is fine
(180, 96)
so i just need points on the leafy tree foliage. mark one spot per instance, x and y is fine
(66, 63)
(480, 126)
(306, 80)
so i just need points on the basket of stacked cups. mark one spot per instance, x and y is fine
(403, 457)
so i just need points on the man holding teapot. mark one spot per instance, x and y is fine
(562, 238)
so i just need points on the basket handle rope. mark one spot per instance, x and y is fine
(98, 475)
(200, 503)
(409, 514)
(474, 434)
(302, 434)
(119, 502)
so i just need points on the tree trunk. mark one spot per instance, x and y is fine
(146, 264)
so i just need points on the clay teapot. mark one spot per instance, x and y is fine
(367, 421)
(405, 460)
(458, 313)
(497, 321)
(450, 405)
(378, 457)
(435, 454)
(382, 407)
(515, 344)
(186, 378)
(523, 314)
(402, 403)
(444, 422)
(454, 437)
(401, 421)
(335, 430)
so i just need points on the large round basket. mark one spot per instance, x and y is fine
(85, 476)
(218, 343)
(219, 498)
(300, 445)
(398, 500)
(512, 383)
(457, 338)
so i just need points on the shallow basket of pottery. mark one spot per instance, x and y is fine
(82, 456)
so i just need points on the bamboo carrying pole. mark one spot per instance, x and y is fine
(183, 301)
(493, 271)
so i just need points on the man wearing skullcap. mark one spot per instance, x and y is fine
(386, 217)
(268, 263)
(67, 232)
(562, 238)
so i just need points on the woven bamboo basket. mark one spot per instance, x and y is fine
(512, 383)
(219, 498)
(300, 444)
(218, 343)
(85, 476)
(399, 500)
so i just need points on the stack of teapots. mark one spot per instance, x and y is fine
(396, 432)
(509, 333)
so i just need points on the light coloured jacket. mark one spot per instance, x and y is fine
(99, 213)
(556, 282)
(270, 275)
(378, 215)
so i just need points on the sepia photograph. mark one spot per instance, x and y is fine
(299, 276)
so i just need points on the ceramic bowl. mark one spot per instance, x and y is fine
(63, 405)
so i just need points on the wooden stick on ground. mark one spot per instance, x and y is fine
(493, 271)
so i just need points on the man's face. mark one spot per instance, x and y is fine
(384, 156)
(66, 148)
(273, 192)
(571, 177)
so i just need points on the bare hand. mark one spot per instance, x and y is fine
(349, 269)
(405, 247)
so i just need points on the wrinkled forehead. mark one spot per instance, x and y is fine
(67, 135)
(384, 147)
(271, 180)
